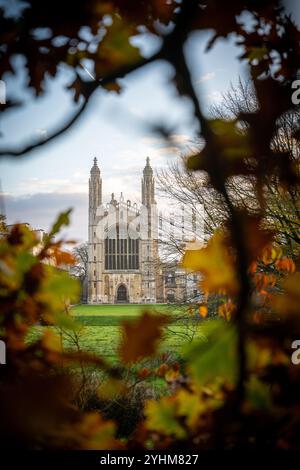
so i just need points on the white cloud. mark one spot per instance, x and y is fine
(152, 140)
(42, 133)
(206, 77)
(166, 151)
(76, 183)
(160, 141)
(41, 209)
(215, 96)
(180, 138)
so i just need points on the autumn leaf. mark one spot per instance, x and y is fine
(171, 375)
(190, 406)
(51, 341)
(161, 417)
(95, 433)
(162, 370)
(203, 311)
(143, 373)
(63, 257)
(270, 254)
(140, 337)
(111, 388)
(257, 238)
(62, 219)
(214, 357)
(227, 309)
(115, 49)
(215, 262)
(166, 415)
(233, 145)
(289, 301)
(113, 86)
(285, 264)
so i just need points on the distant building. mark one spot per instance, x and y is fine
(123, 259)
(39, 233)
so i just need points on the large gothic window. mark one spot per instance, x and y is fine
(121, 254)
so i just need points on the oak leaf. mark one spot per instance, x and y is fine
(140, 337)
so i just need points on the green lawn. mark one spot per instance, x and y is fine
(100, 327)
(120, 311)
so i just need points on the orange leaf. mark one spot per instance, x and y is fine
(140, 336)
(203, 311)
(144, 373)
(162, 370)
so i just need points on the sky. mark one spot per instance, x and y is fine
(114, 129)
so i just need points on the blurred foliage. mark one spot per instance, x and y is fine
(238, 389)
(35, 394)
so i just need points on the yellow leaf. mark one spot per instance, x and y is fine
(51, 341)
(161, 417)
(289, 300)
(111, 389)
(216, 263)
(190, 406)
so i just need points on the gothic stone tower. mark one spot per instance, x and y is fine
(149, 243)
(95, 245)
(122, 244)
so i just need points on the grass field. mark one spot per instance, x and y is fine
(121, 310)
(101, 326)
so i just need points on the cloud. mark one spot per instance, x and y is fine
(42, 133)
(166, 151)
(180, 138)
(215, 96)
(206, 77)
(76, 183)
(160, 141)
(41, 209)
(151, 140)
(38, 201)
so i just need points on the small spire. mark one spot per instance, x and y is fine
(148, 169)
(113, 201)
(95, 168)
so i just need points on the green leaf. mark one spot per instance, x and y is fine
(62, 219)
(258, 394)
(66, 322)
(25, 261)
(215, 357)
(161, 417)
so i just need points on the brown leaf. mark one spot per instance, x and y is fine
(140, 337)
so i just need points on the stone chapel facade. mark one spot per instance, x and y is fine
(123, 245)
(123, 260)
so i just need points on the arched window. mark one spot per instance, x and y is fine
(121, 253)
